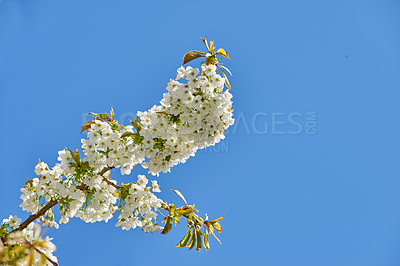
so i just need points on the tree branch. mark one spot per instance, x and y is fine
(33, 217)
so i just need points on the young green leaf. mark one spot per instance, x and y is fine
(224, 67)
(136, 124)
(223, 53)
(205, 42)
(87, 125)
(190, 217)
(127, 134)
(185, 239)
(189, 56)
(198, 236)
(217, 220)
(112, 114)
(212, 47)
(226, 79)
(205, 240)
(180, 195)
(217, 226)
(211, 230)
(75, 155)
(103, 117)
(192, 240)
(168, 226)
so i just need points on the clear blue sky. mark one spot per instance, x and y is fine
(308, 176)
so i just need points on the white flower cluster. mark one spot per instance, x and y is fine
(12, 222)
(32, 235)
(139, 201)
(105, 146)
(102, 199)
(192, 116)
(90, 198)
(54, 184)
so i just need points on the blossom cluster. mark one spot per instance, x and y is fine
(139, 206)
(191, 116)
(92, 198)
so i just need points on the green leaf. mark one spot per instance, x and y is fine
(76, 158)
(205, 240)
(192, 240)
(172, 210)
(190, 218)
(103, 117)
(226, 79)
(112, 114)
(180, 195)
(198, 236)
(75, 155)
(217, 220)
(87, 125)
(211, 230)
(212, 47)
(224, 67)
(168, 226)
(116, 194)
(185, 239)
(127, 134)
(205, 42)
(223, 53)
(182, 212)
(217, 226)
(189, 56)
(136, 124)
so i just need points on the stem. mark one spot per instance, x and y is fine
(37, 215)
(161, 213)
(106, 180)
(105, 169)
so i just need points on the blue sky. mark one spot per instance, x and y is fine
(308, 175)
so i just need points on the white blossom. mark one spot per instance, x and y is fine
(192, 115)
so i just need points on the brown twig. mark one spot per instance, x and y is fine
(33, 217)
(105, 169)
(106, 180)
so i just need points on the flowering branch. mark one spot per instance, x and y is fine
(37, 215)
(192, 115)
